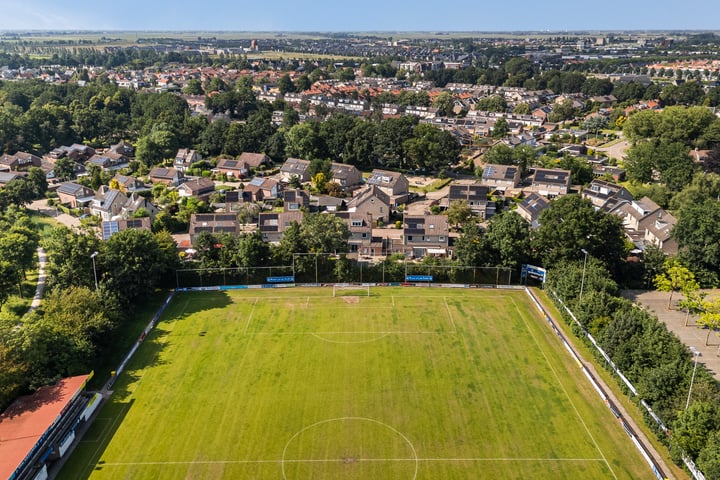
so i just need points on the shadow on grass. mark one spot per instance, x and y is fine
(86, 458)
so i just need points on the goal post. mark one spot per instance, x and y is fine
(347, 289)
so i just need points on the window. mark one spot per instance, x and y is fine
(431, 226)
(356, 223)
(442, 239)
(364, 235)
(410, 238)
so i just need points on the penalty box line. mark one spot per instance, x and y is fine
(368, 460)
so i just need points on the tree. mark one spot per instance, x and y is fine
(469, 246)
(445, 104)
(675, 278)
(508, 239)
(69, 262)
(193, 87)
(710, 316)
(131, 263)
(573, 224)
(499, 154)
(501, 128)
(699, 240)
(459, 213)
(324, 233)
(709, 458)
(693, 426)
(285, 84)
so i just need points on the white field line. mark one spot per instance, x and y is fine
(450, 314)
(567, 395)
(393, 300)
(252, 310)
(90, 466)
(343, 460)
(370, 332)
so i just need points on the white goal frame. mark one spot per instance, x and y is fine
(339, 287)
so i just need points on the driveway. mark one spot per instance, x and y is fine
(42, 207)
(615, 151)
(674, 318)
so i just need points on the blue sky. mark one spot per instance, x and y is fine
(367, 15)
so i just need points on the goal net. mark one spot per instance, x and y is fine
(349, 290)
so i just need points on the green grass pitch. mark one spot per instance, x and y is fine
(409, 383)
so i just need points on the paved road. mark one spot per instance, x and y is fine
(616, 151)
(674, 318)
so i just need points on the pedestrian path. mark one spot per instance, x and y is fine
(42, 276)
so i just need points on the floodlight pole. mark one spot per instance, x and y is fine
(92, 257)
(582, 282)
(696, 353)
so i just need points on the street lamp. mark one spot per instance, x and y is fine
(582, 282)
(92, 257)
(696, 353)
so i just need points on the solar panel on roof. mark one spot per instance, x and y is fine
(134, 223)
(257, 181)
(109, 228)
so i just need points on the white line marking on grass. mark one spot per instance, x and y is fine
(358, 341)
(342, 460)
(354, 332)
(393, 300)
(101, 440)
(450, 314)
(299, 432)
(252, 310)
(562, 386)
(307, 303)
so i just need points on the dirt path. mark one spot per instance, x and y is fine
(630, 419)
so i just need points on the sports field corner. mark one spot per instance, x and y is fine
(407, 383)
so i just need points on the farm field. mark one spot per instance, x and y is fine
(409, 383)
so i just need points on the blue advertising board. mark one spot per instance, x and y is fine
(285, 279)
(418, 278)
(533, 272)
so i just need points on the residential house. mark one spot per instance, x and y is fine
(232, 168)
(213, 223)
(295, 167)
(327, 203)
(500, 178)
(76, 152)
(111, 227)
(135, 203)
(604, 194)
(129, 184)
(476, 196)
(394, 184)
(372, 203)
(425, 235)
(616, 173)
(272, 225)
(255, 160)
(75, 195)
(20, 162)
(260, 189)
(7, 177)
(167, 176)
(347, 176)
(360, 227)
(122, 148)
(646, 223)
(200, 188)
(295, 200)
(531, 207)
(550, 182)
(109, 161)
(107, 203)
(184, 158)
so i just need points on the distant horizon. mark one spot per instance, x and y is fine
(432, 32)
(368, 16)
